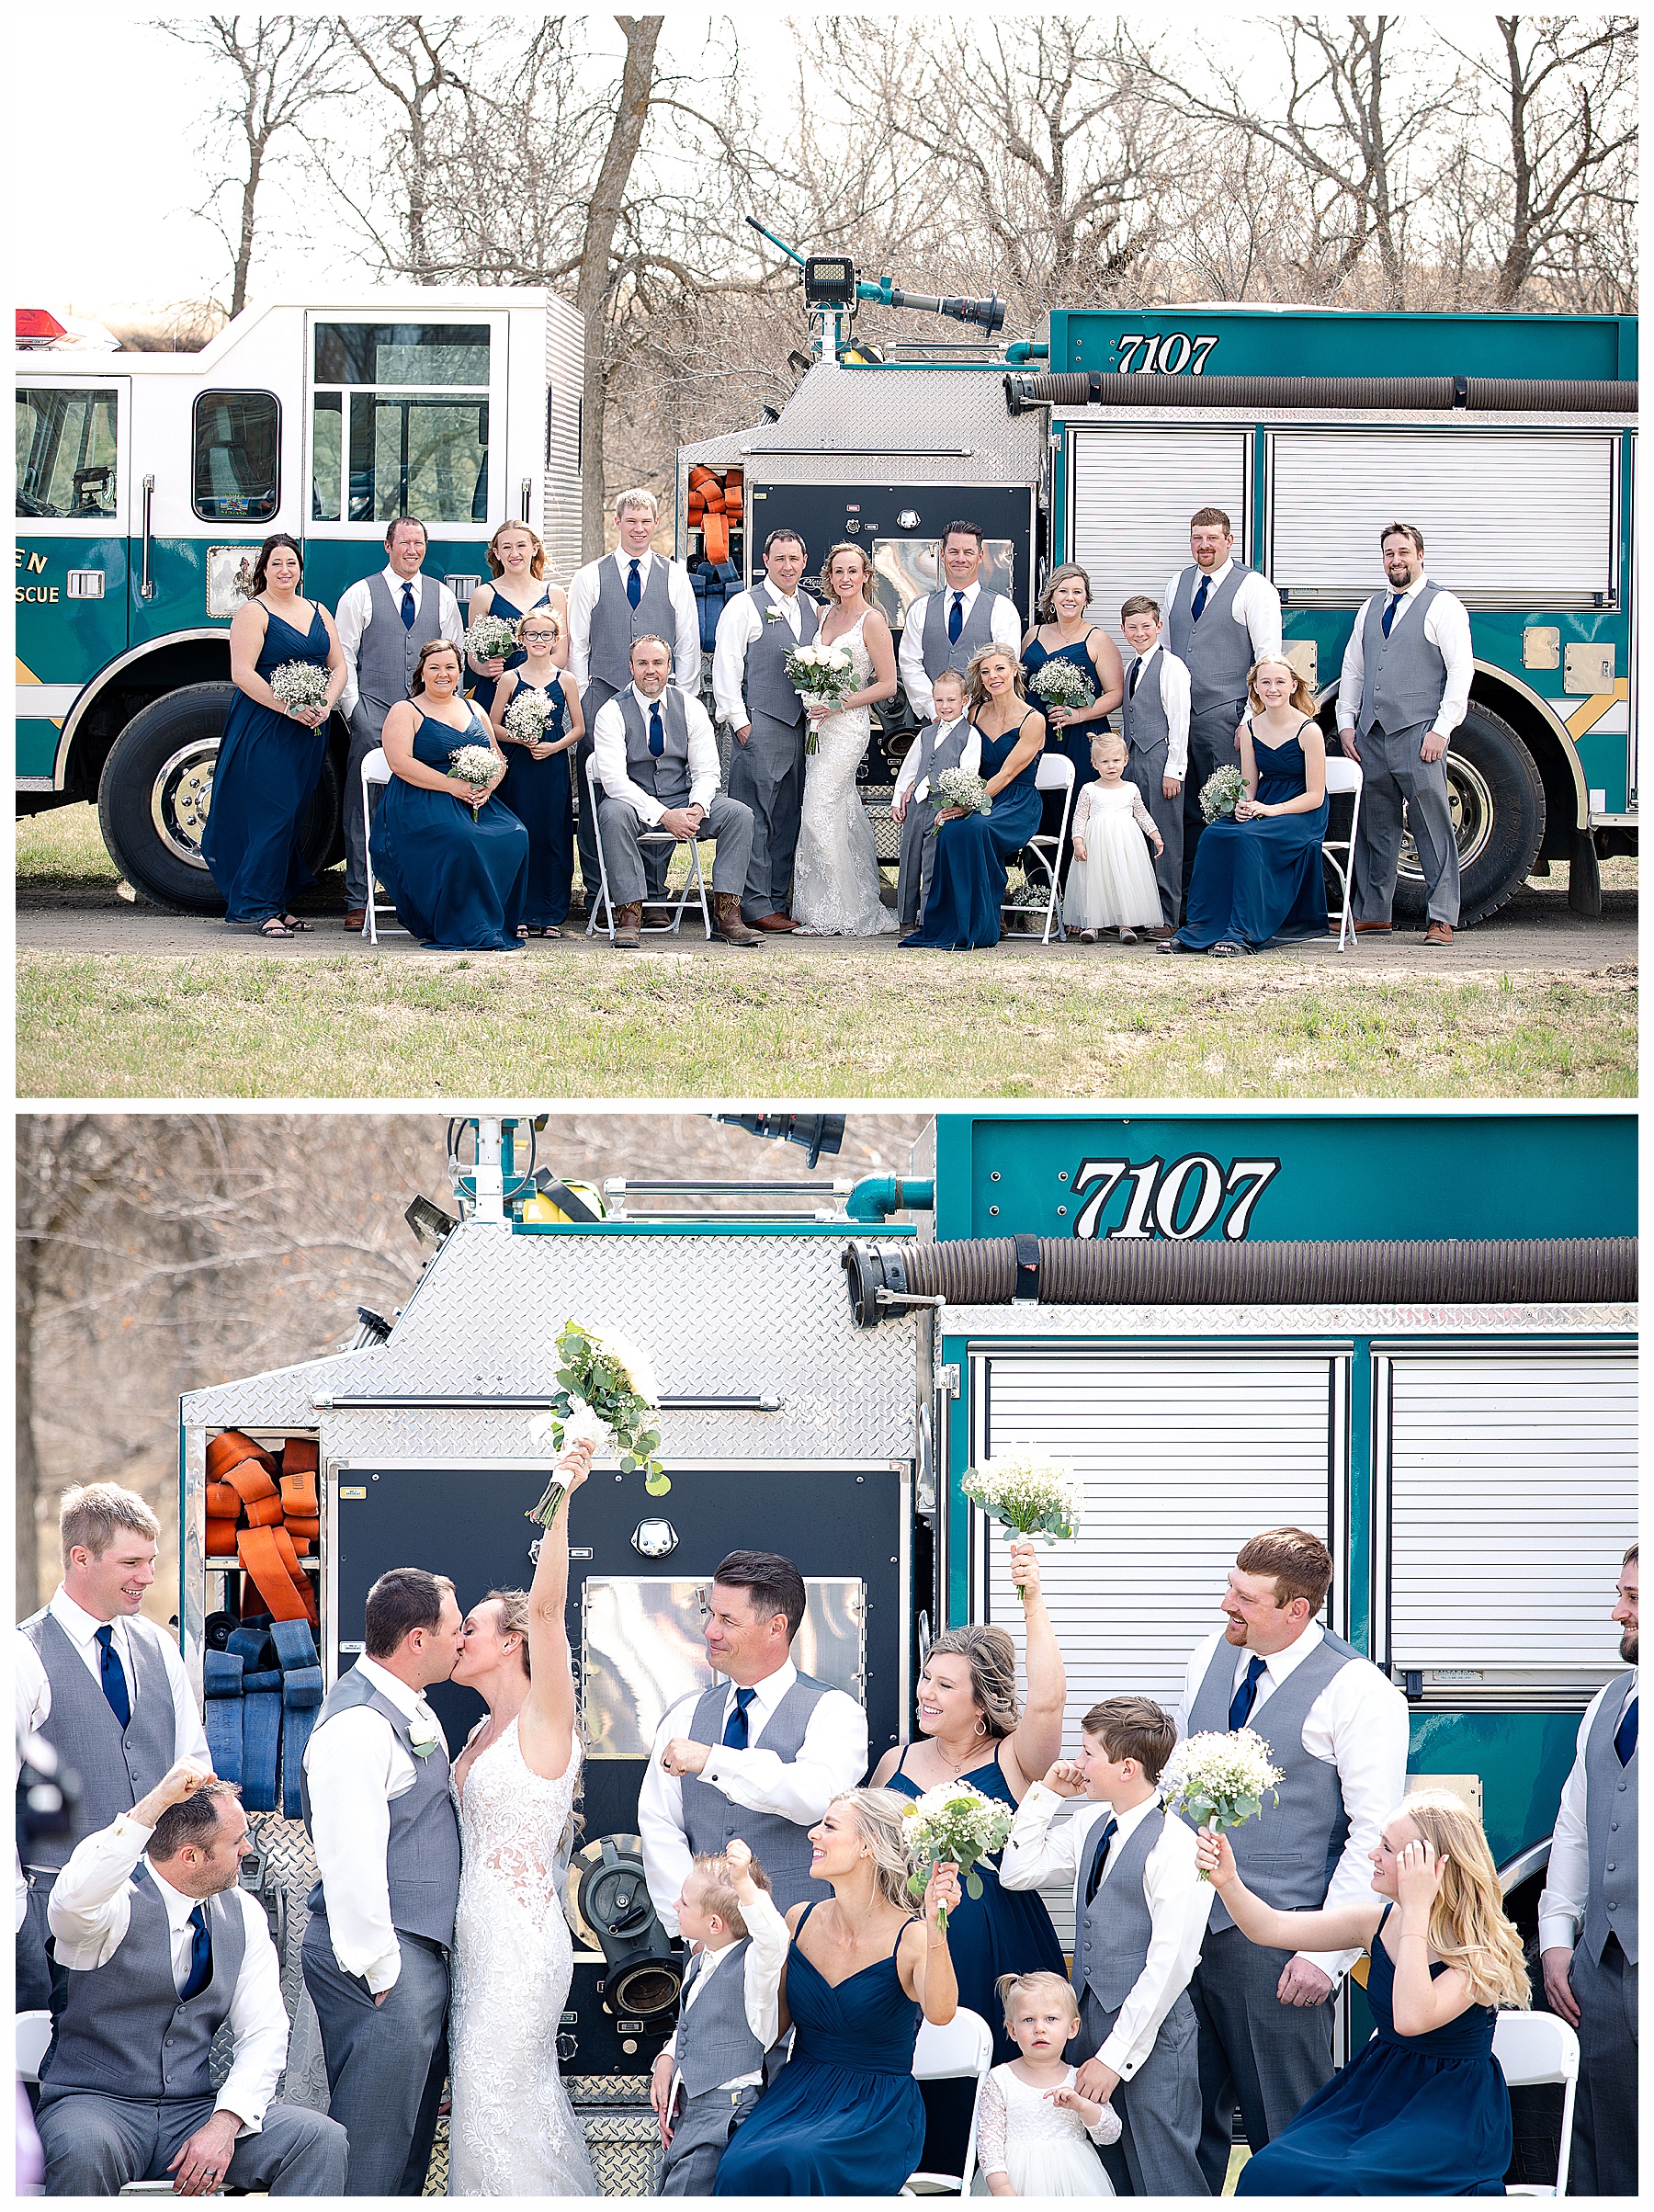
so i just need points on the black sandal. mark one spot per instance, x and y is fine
(294, 924)
(274, 926)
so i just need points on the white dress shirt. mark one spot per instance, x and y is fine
(832, 1759)
(1357, 1724)
(971, 759)
(742, 620)
(1005, 626)
(34, 1690)
(357, 1763)
(609, 748)
(1447, 625)
(90, 1911)
(584, 588)
(355, 611)
(1568, 1878)
(1256, 605)
(1174, 699)
(761, 1988)
(1179, 1903)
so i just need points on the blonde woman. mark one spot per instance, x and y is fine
(1422, 2109)
(517, 560)
(1257, 878)
(1061, 633)
(835, 889)
(972, 849)
(844, 2118)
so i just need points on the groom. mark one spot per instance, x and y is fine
(750, 685)
(375, 1955)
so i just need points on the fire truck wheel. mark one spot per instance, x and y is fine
(157, 786)
(1497, 800)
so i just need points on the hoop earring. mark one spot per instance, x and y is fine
(982, 1726)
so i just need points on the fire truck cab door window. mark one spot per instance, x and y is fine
(398, 422)
(414, 355)
(237, 448)
(66, 455)
(418, 456)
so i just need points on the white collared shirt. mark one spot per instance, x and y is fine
(971, 759)
(741, 620)
(1179, 1903)
(586, 583)
(832, 1759)
(1256, 605)
(1005, 627)
(355, 611)
(761, 1987)
(1567, 1877)
(34, 1690)
(358, 1764)
(1447, 625)
(609, 748)
(1174, 701)
(1357, 1724)
(90, 1911)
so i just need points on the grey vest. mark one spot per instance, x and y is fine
(715, 2040)
(1403, 676)
(937, 649)
(615, 622)
(764, 685)
(1216, 650)
(1143, 719)
(1611, 1831)
(124, 2030)
(1286, 1855)
(710, 1820)
(422, 1853)
(116, 1766)
(1112, 1933)
(933, 759)
(388, 653)
(668, 776)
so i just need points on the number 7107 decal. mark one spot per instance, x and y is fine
(1180, 1198)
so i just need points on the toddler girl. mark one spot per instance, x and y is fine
(1111, 884)
(1032, 2123)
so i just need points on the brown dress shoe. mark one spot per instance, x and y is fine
(356, 917)
(628, 922)
(1374, 929)
(727, 923)
(773, 922)
(1439, 932)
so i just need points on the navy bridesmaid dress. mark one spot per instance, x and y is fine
(972, 854)
(1410, 2116)
(1074, 744)
(1001, 1932)
(262, 787)
(1258, 880)
(844, 2117)
(484, 686)
(456, 880)
(539, 794)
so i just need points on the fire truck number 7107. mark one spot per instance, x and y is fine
(1158, 1192)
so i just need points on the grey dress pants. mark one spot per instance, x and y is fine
(766, 774)
(386, 2063)
(1211, 746)
(1147, 770)
(94, 2145)
(1266, 2057)
(1604, 2160)
(1394, 777)
(1158, 2107)
(367, 734)
(596, 694)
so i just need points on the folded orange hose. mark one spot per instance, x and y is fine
(230, 1449)
(279, 1585)
(299, 1494)
(222, 1504)
(220, 1539)
(250, 1480)
(299, 1456)
(264, 1512)
(716, 536)
(297, 1527)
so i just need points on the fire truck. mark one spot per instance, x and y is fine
(1413, 1334)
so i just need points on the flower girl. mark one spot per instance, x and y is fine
(1112, 883)
(1035, 2131)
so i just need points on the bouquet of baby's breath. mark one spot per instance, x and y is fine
(955, 1821)
(606, 1396)
(1061, 684)
(474, 764)
(299, 684)
(1220, 1780)
(491, 638)
(1219, 792)
(960, 787)
(1035, 1497)
(527, 715)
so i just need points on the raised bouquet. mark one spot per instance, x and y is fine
(1220, 1780)
(474, 764)
(299, 684)
(1031, 1496)
(954, 1822)
(960, 787)
(526, 716)
(1219, 792)
(606, 1396)
(1061, 684)
(823, 675)
(491, 638)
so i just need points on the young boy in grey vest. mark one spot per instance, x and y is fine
(941, 744)
(1155, 721)
(710, 2074)
(1139, 1915)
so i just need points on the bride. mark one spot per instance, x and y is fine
(835, 868)
(513, 2132)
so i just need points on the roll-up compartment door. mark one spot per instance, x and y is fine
(1132, 493)
(1476, 495)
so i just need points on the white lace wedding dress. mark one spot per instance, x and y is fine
(835, 868)
(513, 2132)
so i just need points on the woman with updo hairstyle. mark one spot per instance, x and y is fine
(516, 560)
(973, 1729)
(1061, 633)
(269, 757)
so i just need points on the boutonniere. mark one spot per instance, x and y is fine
(421, 1735)
(775, 614)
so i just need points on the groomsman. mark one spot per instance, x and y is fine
(1220, 619)
(760, 1755)
(629, 593)
(1592, 1884)
(946, 742)
(945, 627)
(1337, 1729)
(1405, 686)
(757, 631)
(1154, 720)
(382, 621)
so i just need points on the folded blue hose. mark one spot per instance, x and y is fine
(261, 1738)
(222, 1711)
(302, 1689)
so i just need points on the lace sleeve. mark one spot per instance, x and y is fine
(1141, 814)
(991, 2125)
(1082, 813)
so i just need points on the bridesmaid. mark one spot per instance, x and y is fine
(518, 560)
(1061, 633)
(972, 849)
(537, 786)
(844, 2117)
(270, 758)
(455, 875)
(970, 1731)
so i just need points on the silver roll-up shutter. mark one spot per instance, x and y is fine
(1131, 494)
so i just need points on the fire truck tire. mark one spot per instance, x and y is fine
(1497, 800)
(155, 789)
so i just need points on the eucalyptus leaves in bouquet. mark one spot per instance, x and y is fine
(491, 638)
(958, 1823)
(606, 1396)
(299, 684)
(1221, 792)
(477, 765)
(1061, 684)
(960, 787)
(1219, 1780)
(1026, 1493)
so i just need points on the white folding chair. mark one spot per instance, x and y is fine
(33, 2037)
(376, 769)
(961, 2051)
(1343, 775)
(1055, 772)
(1534, 2048)
(694, 888)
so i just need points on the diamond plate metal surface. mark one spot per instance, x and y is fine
(1002, 1322)
(854, 415)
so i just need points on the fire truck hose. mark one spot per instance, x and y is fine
(229, 1449)
(1109, 387)
(267, 1555)
(221, 1685)
(302, 1689)
(260, 1716)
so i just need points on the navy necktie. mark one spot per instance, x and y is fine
(1094, 1877)
(113, 1675)
(1137, 670)
(409, 616)
(657, 736)
(956, 618)
(735, 1727)
(1200, 599)
(634, 583)
(1625, 1736)
(1389, 612)
(1246, 1696)
(200, 1955)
